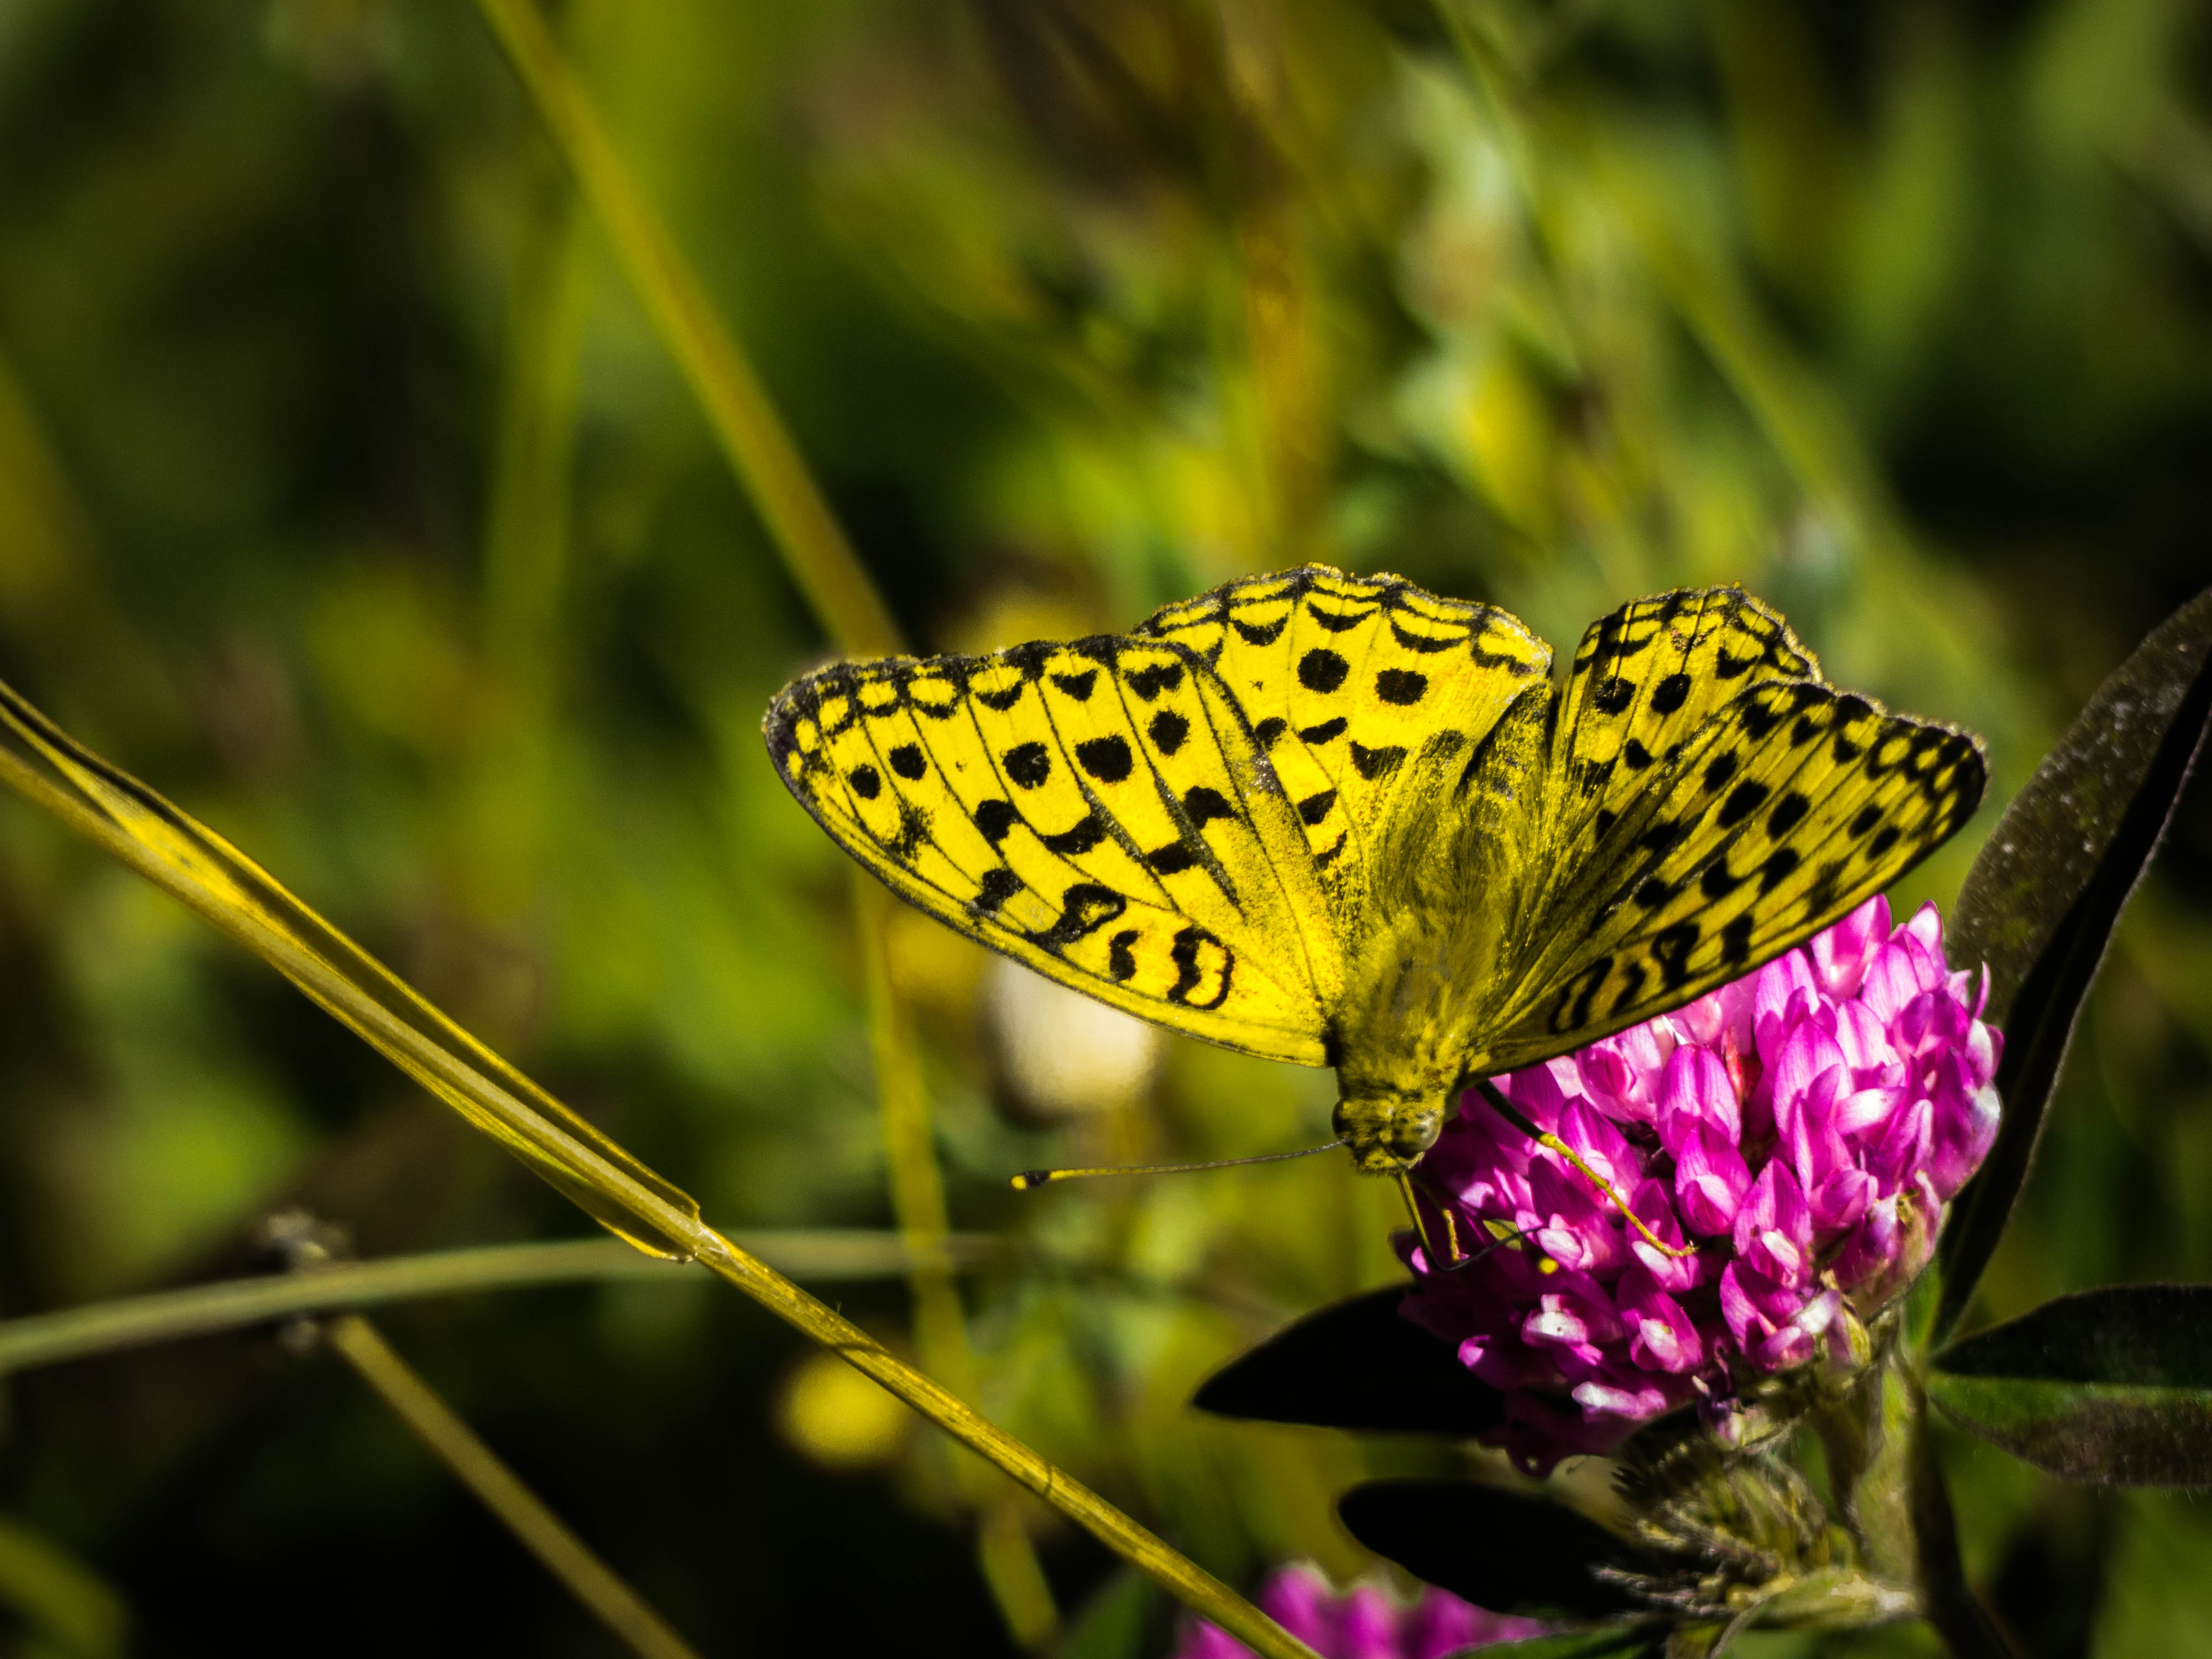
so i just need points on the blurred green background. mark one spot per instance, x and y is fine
(348, 496)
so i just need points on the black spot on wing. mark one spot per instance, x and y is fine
(907, 760)
(1671, 948)
(1121, 960)
(1171, 859)
(1720, 769)
(995, 818)
(1735, 941)
(1269, 730)
(999, 885)
(1612, 695)
(1339, 622)
(1028, 764)
(1148, 682)
(1084, 908)
(1322, 669)
(865, 781)
(1077, 686)
(1167, 731)
(1107, 759)
(1326, 731)
(1743, 800)
(1205, 806)
(1260, 633)
(1635, 755)
(1572, 1010)
(1199, 955)
(1718, 882)
(1787, 813)
(1374, 764)
(1780, 864)
(913, 830)
(1314, 808)
(1425, 644)
(1882, 843)
(1400, 686)
(1670, 693)
(1761, 715)
(1078, 838)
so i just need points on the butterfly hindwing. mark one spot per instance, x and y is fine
(1644, 680)
(1097, 811)
(1367, 695)
(1782, 812)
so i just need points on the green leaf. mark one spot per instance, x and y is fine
(2110, 1386)
(1356, 1364)
(2042, 900)
(1501, 1550)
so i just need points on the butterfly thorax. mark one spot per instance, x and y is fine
(1425, 977)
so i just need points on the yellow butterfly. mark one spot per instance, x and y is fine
(1337, 820)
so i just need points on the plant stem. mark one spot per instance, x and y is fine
(1951, 1604)
(196, 1310)
(540, 1531)
(799, 520)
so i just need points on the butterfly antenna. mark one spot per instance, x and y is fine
(1030, 1180)
(1506, 1109)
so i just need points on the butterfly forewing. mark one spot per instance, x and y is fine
(1367, 695)
(1784, 811)
(1097, 811)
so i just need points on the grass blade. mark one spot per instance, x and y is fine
(49, 1338)
(192, 863)
(745, 422)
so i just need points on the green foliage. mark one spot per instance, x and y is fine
(2113, 1386)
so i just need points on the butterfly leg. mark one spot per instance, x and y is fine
(1506, 1109)
(1421, 1227)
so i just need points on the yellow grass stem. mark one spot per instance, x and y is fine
(745, 421)
(189, 861)
(540, 1531)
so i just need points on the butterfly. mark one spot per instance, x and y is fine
(1340, 821)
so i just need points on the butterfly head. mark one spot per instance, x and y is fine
(1388, 1129)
